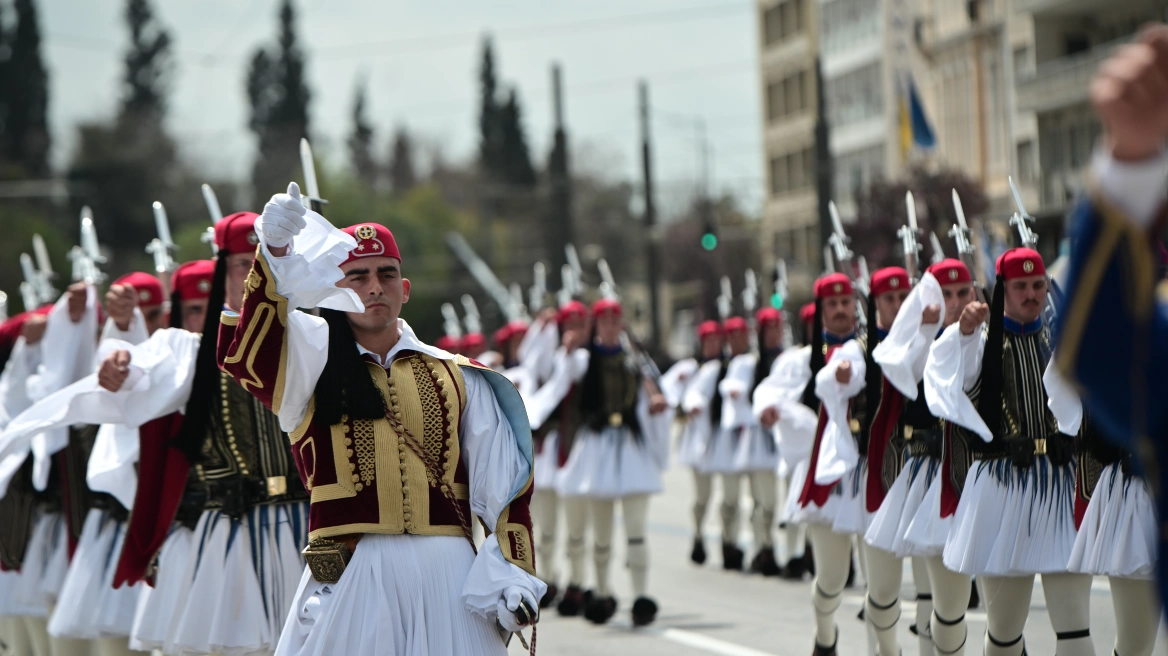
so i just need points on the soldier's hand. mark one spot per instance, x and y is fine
(657, 404)
(843, 373)
(696, 412)
(1130, 96)
(114, 370)
(573, 339)
(546, 315)
(735, 394)
(120, 302)
(931, 315)
(77, 294)
(517, 609)
(769, 417)
(973, 316)
(33, 329)
(283, 219)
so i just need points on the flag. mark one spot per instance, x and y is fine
(914, 125)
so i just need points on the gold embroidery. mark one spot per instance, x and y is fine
(309, 445)
(364, 446)
(252, 283)
(253, 336)
(432, 410)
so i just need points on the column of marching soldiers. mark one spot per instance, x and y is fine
(918, 420)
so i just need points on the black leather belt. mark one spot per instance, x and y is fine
(1023, 451)
(236, 495)
(924, 443)
(107, 503)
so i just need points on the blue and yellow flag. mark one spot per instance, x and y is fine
(915, 129)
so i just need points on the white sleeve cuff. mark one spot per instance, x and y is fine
(1136, 188)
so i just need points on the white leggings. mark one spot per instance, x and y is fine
(794, 535)
(731, 493)
(885, 573)
(635, 510)
(545, 506)
(833, 559)
(576, 517)
(1137, 615)
(950, 601)
(1068, 602)
(703, 488)
(765, 492)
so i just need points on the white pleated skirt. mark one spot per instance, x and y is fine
(928, 531)
(890, 524)
(10, 583)
(89, 606)
(242, 575)
(845, 510)
(721, 452)
(400, 595)
(757, 450)
(157, 613)
(790, 510)
(692, 444)
(1012, 521)
(1118, 534)
(608, 465)
(46, 561)
(547, 462)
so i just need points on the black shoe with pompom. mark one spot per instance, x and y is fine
(698, 555)
(644, 611)
(572, 602)
(549, 597)
(600, 609)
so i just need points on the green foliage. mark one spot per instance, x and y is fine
(20, 224)
(402, 174)
(24, 101)
(148, 64)
(361, 140)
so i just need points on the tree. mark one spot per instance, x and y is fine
(515, 160)
(402, 175)
(24, 140)
(882, 211)
(148, 65)
(279, 108)
(490, 134)
(361, 140)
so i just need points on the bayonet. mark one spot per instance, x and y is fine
(725, 300)
(28, 296)
(470, 317)
(518, 308)
(965, 251)
(839, 242)
(87, 256)
(577, 271)
(44, 264)
(3, 306)
(208, 236)
(565, 294)
(482, 274)
(607, 282)
(908, 239)
(450, 323)
(1021, 219)
(538, 288)
(306, 162)
(162, 247)
(750, 304)
(938, 252)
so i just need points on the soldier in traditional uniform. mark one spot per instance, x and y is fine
(399, 444)
(619, 452)
(701, 404)
(1014, 468)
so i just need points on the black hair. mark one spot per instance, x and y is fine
(176, 318)
(592, 393)
(818, 357)
(345, 386)
(716, 402)
(766, 358)
(989, 400)
(873, 377)
(205, 390)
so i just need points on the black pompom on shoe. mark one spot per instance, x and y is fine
(600, 609)
(572, 602)
(764, 562)
(698, 555)
(644, 611)
(795, 569)
(549, 597)
(732, 557)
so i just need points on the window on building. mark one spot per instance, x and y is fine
(855, 96)
(1023, 66)
(771, 25)
(1076, 43)
(774, 100)
(787, 96)
(1026, 161)
(783, 21)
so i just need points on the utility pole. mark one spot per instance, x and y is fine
(560, 232)
(824, 184)
(652, 245)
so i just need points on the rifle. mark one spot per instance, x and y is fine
(565, 294)
(470, 317)
(87, 256)
(517, 306)
(838, 241)
(28, 296)
(749, 305)
(781, 289)
(161, 248)
(39, 279)
(315, 202)
(965, 250)
(725, 299)
(450, 323)
(938, 252)
(577, 271)
(607, 282)
(1022, 220)
(908, 240)
(538, 289)
(632, 346)
(208, 236)
(483, 275)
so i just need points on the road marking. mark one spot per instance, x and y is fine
(712, 645)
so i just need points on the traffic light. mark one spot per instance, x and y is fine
(777, 301)
(709, 236)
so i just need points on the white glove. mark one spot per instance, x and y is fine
(508, 605)
(283, 217)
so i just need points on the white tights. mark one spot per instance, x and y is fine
(576, 517)
(731, 492)
(1137, 616)
(794, 535)
(885, 573)
(832, 552)
(924, 588)
(14, 637)
(764, 490)
(545, 504)
(1068, 602)
(950, 601)
(635, 510)
(703, 487)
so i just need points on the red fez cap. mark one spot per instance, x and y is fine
(148, 288)
(606, 305)
(708, 328)
(447, 343)
(503, 334)
(734, 324)
(518, 327)
(372, 239)
(807, 313)
(889, 279)
(768, 315)
(235, 233)
(571, 310)
(192, 280)
(833, 284)
(473, 341)
(1019, 263)
(10, 329)
(951, 272)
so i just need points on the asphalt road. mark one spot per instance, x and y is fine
(705, 610)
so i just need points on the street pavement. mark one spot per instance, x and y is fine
(705, 610)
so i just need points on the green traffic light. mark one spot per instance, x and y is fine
(709, 241)
(777, 301)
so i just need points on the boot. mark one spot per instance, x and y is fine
(698, 555)
(764, 562)
(600, 609)
(572, 602)
(732, 557)
(549, 597)
(644, 611)
(796, 568)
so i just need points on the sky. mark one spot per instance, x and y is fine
(420, 61)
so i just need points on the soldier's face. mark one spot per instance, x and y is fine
(957, 296)
(1025, 298)
(772, 336)
(238, 266)
(739, 341)
(839, 314)
(608, 328)
(888, 306)
(711, 346)
(378, 282)
(194, 313)
(155, 318)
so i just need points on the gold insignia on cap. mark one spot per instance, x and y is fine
(953, 274)
(894, 283)
(253, 238)
(1028, 266)
(837, 288)
(144, 295)
(204, 286)
(366, 232)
